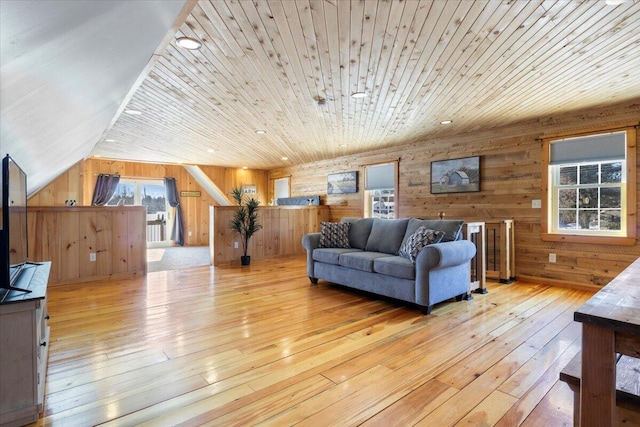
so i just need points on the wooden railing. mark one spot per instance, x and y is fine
(156, 230)
(500, 250)
(495, 252)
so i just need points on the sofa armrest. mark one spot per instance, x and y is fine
(446, 254)
(310, 242)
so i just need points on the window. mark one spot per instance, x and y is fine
(590, 188)
(281, 188)
(380, 190)
(149, 193)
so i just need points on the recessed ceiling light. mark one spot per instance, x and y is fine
(245, 168)
(358, 95)
(211, 150)
(342, 145)
(261, 132)
(284, 158)
(133, 112)
(189, 43)
(446, 122)
(615, 2)
(110, 140)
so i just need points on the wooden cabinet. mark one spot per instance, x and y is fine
(24, 348)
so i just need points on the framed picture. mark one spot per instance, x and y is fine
(341, 183)
(249, 189)
(455, 175)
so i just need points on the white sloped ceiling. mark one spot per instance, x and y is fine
(66, 68)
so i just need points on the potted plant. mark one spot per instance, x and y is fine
(245, 220)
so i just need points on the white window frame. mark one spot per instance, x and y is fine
(374, 192)
(550, 186)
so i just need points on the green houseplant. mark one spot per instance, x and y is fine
(245, 220)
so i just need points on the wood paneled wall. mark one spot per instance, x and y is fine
(68, 186)
(510, 179)
(67, 236)
(79, 181)
(281, 233)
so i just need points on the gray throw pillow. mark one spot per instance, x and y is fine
(452, 228)
(422, 237)
(386, 235)
(334, 235)
(359, 231)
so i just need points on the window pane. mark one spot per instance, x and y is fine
(587, 219)
(568, 175)
(611, 197)
(610, 220)
(612, 172)
(567, 198)
(153, 197)
(589, 174)
(124, 195)
(588, 198)
(567, 219)
(382, 203)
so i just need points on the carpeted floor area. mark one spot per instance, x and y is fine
(176, 257)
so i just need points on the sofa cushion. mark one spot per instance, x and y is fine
(395, 266)
(359, 231)
(422, 237)
(334, 235)
(360, 260)
(331, 255)
(452, 228)
(386, 235)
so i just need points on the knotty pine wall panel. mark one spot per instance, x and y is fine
(67, 186)
(510, 168)
(67, 235)
(281, 233)
(79, 181)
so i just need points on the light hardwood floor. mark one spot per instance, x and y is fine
(260, 345)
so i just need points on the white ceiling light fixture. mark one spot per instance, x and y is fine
(616, 2)
(261, 132)
(284, 158)
(188, 43)
(133, 112)
(245, 168)
(342, 145)
(359, 95)
(211, 150)
(110, 140)
(446, 122)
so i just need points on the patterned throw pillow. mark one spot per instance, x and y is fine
(334, 235)
(422, 237)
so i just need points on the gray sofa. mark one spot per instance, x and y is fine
(371, 262)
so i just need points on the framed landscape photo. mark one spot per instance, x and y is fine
(455, 175)
(342, 183)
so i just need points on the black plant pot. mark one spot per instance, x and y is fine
(245, 260)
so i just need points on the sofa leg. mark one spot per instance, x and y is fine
(467, 296)
(314, 280)
(426, 309)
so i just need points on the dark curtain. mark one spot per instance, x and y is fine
(177, 232)
(105, 188)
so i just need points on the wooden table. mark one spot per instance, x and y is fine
(610, 324)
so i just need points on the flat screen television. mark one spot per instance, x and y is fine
(13, 234)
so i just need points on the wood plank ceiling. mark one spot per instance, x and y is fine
(289, 68)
